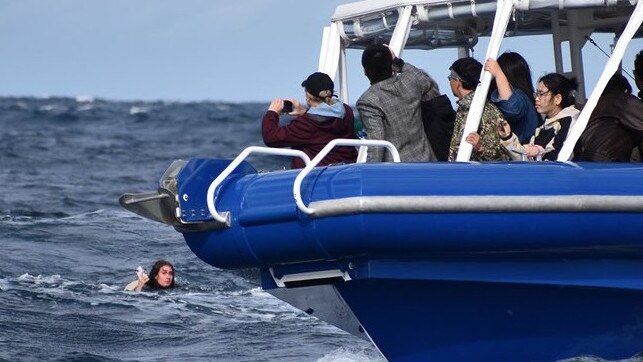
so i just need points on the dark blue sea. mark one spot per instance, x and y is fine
(68, 248)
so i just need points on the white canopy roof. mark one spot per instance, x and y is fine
(443, 23)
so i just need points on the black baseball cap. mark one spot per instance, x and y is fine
(319, 85)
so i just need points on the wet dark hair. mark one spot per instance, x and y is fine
(517, 71)
(377, 63)
(638, 65)
(618, 84)
(468, 69)
(152, 284)
(559, 84)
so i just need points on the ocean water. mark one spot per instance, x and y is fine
(68, 248)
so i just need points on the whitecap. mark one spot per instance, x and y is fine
(85, 99)
(134, 110)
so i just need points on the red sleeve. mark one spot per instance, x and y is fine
(298, 132)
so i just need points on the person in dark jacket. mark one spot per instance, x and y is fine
(438, 117)
(638, 73)
(615, 126)
(324, 120)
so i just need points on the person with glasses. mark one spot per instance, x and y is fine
(465, 73)
(554, 100)
(512, 91)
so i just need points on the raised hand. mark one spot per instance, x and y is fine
(276, 105)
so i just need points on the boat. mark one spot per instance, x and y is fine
(484, 261)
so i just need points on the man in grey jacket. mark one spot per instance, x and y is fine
(390, 108)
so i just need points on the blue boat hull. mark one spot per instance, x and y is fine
(440, 262)
(427, 320)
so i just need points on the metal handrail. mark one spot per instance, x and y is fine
(225, 217)
(296, 188)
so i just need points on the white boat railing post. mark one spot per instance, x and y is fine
(343, 76)
(330, 51)
(401, 32)
(500, 21)
(296, 188)
(211, 198)
(611, 67)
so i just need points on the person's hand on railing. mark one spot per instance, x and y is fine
(492, 66)
(474, 139)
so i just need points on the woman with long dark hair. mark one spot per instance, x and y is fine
(512, 92)
(161, 277)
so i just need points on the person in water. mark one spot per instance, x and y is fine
(161, 277)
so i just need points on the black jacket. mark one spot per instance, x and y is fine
(614, 129)
(438, 117)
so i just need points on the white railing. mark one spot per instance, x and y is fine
(500, 21)
(296, 188)
(225, 217)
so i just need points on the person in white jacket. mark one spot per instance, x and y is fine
(554, 100)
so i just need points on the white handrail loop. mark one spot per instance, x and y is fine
(224, 217)
(296, 188)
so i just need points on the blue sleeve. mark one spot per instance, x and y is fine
(514, 107)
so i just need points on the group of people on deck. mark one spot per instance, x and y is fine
(404, 106)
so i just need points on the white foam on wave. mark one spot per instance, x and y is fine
(134, 110)
(345, 354)
(85, 99)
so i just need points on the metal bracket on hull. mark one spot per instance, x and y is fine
(311, 277)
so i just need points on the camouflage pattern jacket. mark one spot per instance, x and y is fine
(492, 149)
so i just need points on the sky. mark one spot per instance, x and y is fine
(198, 50)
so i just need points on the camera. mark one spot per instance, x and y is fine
(287, 107)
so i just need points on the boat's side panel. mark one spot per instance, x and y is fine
(268, 229)
(422, 320)
(539, 307)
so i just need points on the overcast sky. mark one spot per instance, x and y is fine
(191, 50)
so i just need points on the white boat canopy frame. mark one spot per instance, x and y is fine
(459, 24)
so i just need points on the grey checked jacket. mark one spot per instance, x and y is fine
(390, 110)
